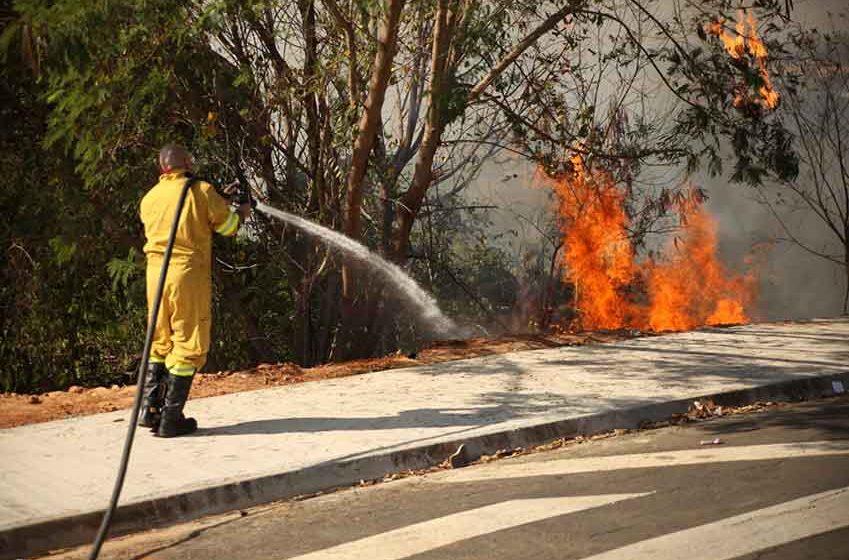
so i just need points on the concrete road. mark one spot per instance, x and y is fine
(776, 487)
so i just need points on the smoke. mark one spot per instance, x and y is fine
(794, 284)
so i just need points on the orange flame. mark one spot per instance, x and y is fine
(691, 287)
(737, 46)
(685, 288)
(733, 44)
(601, 260)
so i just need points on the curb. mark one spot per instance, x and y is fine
(53, 534)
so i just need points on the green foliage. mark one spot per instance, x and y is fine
(63, 251)
(252, 307)
(122, 271)
(115, 81)
(468, 271)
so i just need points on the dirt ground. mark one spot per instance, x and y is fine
(18, 410)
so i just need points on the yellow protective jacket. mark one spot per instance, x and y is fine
(181, 336)
(205, 211)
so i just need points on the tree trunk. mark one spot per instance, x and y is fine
(316, 175)
(434, 126)
(353, 317)
(351, 38)
(381, 71)
(846, 270)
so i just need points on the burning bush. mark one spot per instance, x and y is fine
(687, 286)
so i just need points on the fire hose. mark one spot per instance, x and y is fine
(148, 341)
(242, 195)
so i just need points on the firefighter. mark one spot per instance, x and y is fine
(181, 335)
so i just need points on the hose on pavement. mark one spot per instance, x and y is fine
(103, 532)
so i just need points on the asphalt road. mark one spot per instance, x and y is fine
(775, 488)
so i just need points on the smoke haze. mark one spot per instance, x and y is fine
(793, 284)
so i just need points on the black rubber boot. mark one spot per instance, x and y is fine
(154, 395)
(173, 422)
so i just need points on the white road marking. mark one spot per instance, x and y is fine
(746, 533)
(702, 455)
(721, 540)
(442, 531)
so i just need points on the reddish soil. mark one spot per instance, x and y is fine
(18, 410)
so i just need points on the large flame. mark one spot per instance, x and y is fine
(600, 258)
(684, 288)
(738, 45)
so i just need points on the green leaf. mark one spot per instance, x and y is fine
(63, 252)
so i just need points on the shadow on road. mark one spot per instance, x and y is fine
(662, 364)
(828, 417)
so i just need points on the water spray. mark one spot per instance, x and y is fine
(423, 302)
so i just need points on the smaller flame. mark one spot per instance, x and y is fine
(737, 45)
(756, 46)
(690, 286)
(728, 312)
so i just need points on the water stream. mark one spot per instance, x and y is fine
(409, 290)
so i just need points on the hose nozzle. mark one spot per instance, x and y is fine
(240, 193)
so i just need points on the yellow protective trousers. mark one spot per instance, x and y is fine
(181, 334)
